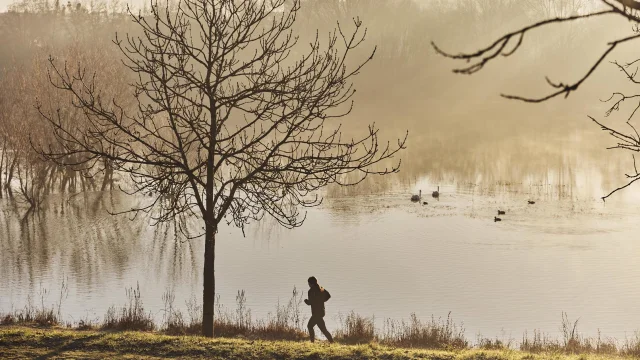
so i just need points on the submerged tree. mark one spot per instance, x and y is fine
(505, 46)
(233, 120)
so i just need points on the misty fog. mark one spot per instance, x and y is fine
(483, 150)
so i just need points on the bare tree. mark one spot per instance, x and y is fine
(505, 46)
(228, 126)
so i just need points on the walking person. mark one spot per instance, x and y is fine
(317, 296)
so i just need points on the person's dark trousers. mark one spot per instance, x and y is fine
(317, 320)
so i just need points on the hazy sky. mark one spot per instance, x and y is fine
(5, 3)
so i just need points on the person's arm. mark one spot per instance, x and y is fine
(306, 301)
(327, 296)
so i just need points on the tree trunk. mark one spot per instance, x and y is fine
(208, 297)
(211, 227)
(209, 291)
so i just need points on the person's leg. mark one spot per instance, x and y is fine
(310, 325)
(324, 330)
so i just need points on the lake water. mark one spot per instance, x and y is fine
(377, 253)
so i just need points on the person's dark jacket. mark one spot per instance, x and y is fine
(317, 296)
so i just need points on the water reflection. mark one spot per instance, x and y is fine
(571, 170)
(434, 258)
(78, 236)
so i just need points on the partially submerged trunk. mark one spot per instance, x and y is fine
(10, 171)
(2, 155)
(108, 176)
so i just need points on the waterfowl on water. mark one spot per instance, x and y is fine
(436, 193)
(416, 198)
(500, 212)
(495, 218)
(425, 203)
(531, 202)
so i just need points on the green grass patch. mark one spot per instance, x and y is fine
(28, 343)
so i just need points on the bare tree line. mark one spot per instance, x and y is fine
(71, 33)
(33, 29)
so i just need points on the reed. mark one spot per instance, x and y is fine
(288, 322)
(131, 316)
(432, 334)
(356, 329)
(572, 341)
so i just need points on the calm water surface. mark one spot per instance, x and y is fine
(378, 253)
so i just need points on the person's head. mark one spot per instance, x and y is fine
(312, 281)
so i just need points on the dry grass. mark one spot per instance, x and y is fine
(287, 322)
(42, 315)
(572, 341)
(631, 346)
(356, 329)
(28, 343)
(31, 315)
(131, 316)
(494, 344)
(433, 334)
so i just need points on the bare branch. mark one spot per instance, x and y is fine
(627, 10)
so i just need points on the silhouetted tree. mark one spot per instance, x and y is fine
(229, 125)
(505, 46)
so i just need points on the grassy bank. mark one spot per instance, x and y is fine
(29, 343)
(286, 325)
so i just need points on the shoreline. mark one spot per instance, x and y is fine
(21, 342)
(288, 323)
